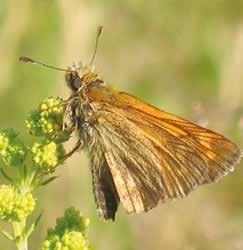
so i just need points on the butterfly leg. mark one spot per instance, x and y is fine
(79, 145)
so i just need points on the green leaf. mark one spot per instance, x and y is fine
(33, 226)
(49, 180)
(63, 137)
(7, 235)
(6, 176)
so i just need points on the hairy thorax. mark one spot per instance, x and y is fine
(82, 114)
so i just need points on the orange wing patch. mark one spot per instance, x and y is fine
(156, 156)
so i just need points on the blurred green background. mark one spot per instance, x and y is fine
(183, 56)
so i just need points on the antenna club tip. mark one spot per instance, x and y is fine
(26, 59)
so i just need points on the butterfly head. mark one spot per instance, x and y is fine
(79, 77)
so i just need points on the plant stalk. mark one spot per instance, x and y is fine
(21, 240)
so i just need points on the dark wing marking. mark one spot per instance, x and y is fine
(103, 188)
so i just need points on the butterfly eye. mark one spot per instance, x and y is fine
(73, 81)
(76, 83)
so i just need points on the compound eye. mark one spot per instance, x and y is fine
(73, 81)
(76, 83)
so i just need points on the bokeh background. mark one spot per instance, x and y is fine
(183, 56)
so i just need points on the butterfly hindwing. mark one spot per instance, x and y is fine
(104, 190)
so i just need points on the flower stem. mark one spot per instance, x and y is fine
(19, 233)
(23, 245)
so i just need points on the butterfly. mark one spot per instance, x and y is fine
(140, 155)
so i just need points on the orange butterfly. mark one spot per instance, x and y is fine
(140, 155)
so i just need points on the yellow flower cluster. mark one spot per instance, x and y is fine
(52, 105)
(47, 120)
(12, 150)
(69, 241)
(14, 205)
(47, 155)
(69, 233)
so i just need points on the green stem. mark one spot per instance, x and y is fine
(19, 233)
(19, 228)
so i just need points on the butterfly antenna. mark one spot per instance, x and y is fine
(32, 61)
(99, 31)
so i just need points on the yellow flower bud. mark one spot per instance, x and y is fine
(47, 120)
(4, 141)
(47, 155)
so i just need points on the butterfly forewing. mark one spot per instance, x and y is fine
(153, 155)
